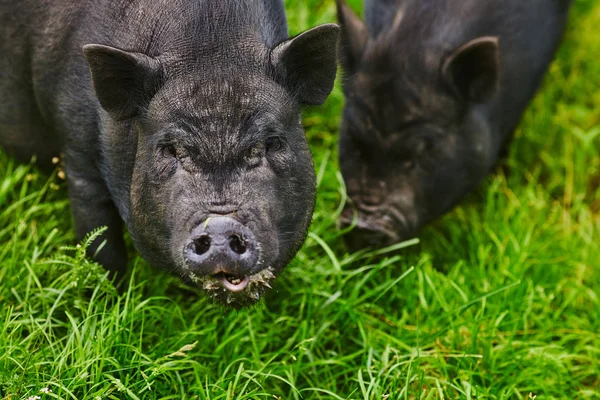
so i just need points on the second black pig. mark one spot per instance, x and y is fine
(434, 90)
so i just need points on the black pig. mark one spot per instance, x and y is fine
(434, 90)
(184, 123)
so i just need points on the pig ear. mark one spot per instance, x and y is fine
(123, 81)
(473, 69)
(307, 63)
(353, 38)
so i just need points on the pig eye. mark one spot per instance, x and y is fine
(168, 160)
(408, 165)
(169, 151)
(424, 146)
(273, 144)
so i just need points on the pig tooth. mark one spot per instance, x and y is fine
(255, 295)
(267, 285)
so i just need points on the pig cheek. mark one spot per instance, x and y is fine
(277, 219)
(294, 190)
(295, 213)
(298, 204)
(149, 232)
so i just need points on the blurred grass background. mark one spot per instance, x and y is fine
(498, 300)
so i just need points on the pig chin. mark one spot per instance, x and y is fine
(236, 292)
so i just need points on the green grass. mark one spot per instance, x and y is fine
(498, 300)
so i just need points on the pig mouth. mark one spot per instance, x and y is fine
(235, 291)
(232, 283)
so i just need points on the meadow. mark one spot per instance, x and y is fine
(498, 299)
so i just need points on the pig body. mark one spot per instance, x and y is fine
(434, 90)
(180, 118)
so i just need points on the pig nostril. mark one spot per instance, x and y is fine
(237, 244)
(371, 201)
(202, 244)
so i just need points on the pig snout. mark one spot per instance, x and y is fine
(374, 229)
(224, 248)
(361, 237)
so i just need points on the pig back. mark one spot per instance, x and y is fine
(529, 33)
(429, 30)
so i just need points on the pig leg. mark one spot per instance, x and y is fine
(92, 207)
(23, 132)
